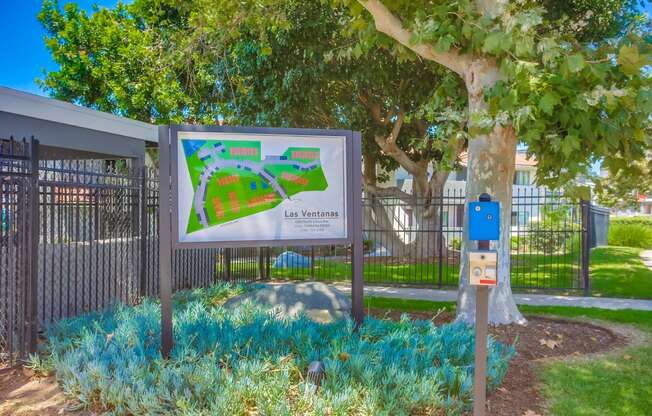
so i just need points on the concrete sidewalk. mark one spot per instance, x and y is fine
(521, 299)
(646, 258)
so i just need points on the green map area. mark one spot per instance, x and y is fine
(231, 180)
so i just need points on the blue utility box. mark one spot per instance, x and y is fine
(484, 220)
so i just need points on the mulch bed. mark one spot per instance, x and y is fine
(541, 339)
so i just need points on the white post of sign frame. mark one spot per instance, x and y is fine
(169, 239)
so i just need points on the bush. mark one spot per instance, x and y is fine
(637, 219)
(630, 234)
(554, 232)
(247, 359)
(516, 243)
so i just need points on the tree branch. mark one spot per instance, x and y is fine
(374, 109)
(390, 192)
(391, 149)
(389, 24)
(396, 130)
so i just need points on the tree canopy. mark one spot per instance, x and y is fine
(421, 79)
(166, 61)
(571, 83)
(571, 74)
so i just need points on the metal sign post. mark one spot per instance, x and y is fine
(274, 162)
(484, 225)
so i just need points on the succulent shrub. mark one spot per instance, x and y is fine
(251, 360)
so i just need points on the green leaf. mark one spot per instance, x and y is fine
(496, 42)
(570, 144)
(630, 60)
(524, 46)
(575, 62)
(357, 51)
(548, 102)
(444, 43)
(578, 192)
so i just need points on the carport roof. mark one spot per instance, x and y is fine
(35, 106)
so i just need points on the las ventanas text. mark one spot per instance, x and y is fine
(305, 213)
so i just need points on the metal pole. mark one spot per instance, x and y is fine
(34, 241)
(268, 256)
(165, 242)
(440, 241)
(261, 264)
(480, 376)
(586, 249)
(481, 323)
(227, 264)
(142, 291)
(312, 262)
(357, 281)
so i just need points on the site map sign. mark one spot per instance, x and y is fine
(245, 187)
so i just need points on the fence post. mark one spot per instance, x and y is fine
(226, 258)
(261, 263)
(142, 290)
(440, 241)
(34, 241)
(268, 257)
(586, 246)
(312, 262)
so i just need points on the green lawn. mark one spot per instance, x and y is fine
(417, 273)
(528, 271)
(619, 272)
(619, 384)
(616, 385)
(615, 272)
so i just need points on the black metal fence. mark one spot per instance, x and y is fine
(17, 235)
(80, 235)
(418, 242)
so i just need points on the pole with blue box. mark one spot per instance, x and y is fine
(483, 227)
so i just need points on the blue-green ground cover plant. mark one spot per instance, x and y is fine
(251, 361)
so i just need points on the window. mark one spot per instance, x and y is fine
(522, 177)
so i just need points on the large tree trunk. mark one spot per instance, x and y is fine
(491, 156)
(491, 171)
(387, 223)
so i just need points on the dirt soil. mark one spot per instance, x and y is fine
(541, 339)
(23, 394)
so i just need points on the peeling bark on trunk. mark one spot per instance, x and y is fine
(491, 171)
(423, 204)
(491, 156)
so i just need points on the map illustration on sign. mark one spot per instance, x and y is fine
(231, 179)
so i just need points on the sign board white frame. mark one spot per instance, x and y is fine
(293, 137)
(169, 214)
(274, 224)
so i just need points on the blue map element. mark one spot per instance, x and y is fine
(291, 259)
(265, 186)
(252, 185)
(190, 147)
